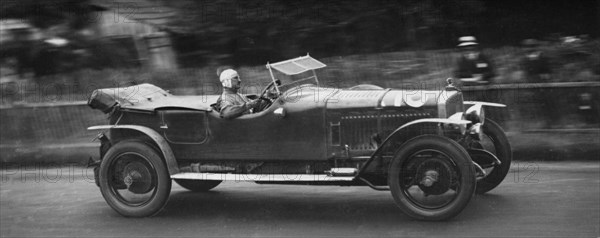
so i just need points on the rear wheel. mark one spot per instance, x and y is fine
(431, 178)
(134, 180)
(198, 185)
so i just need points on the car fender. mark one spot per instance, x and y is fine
(392, 137)
(431, 120)
(488, 104)
(160, 141)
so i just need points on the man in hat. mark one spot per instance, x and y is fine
(535, 64)
(473, 67)
(231, 103)
(536, 67)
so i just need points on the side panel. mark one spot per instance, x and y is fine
(358, 128)
(299, 135)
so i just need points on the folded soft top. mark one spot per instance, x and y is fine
(146, 97)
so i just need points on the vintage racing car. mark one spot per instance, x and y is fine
(430, 148)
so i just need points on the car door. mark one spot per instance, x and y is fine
(267, 135)
(185, 127)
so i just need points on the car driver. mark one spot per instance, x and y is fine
(231, 102)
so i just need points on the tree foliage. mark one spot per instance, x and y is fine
(257, 31)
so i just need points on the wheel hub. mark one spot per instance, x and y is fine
(128, 180)
(137, 178)
(431, 177)
(434, 176)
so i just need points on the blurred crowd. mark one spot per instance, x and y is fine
(31, 54)
(536, 63)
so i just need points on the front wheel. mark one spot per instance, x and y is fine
(431, 178)
(134, 180)
(494, 140)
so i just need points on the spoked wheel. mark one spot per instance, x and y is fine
(493, 141)
(198, 185)
(431, 178)
(134, 180)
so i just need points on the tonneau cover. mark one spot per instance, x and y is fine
(148, 97)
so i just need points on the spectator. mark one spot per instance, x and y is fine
(535, 64)
(473, 67)
(536, 68)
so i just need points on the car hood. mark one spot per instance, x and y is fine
(387, 98)
(335, 98)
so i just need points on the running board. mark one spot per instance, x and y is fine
(262, 177)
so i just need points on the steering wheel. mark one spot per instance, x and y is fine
(263, 96)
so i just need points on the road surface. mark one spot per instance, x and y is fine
(559, 199)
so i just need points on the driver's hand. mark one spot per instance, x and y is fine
(272, 94)
(252, 104)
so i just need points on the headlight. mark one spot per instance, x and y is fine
(475, 114)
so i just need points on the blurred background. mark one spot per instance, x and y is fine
(54, 53)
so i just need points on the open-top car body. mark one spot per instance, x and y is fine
(431, 149)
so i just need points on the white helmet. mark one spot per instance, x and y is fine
(226, 77)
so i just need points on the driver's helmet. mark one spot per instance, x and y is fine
(226, 77)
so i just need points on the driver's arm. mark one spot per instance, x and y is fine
(230, 110)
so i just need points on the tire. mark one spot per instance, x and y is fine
(502, 150)
(198, 185)
(134, 179)
(418, 157)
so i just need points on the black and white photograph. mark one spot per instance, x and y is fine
(273, 118)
